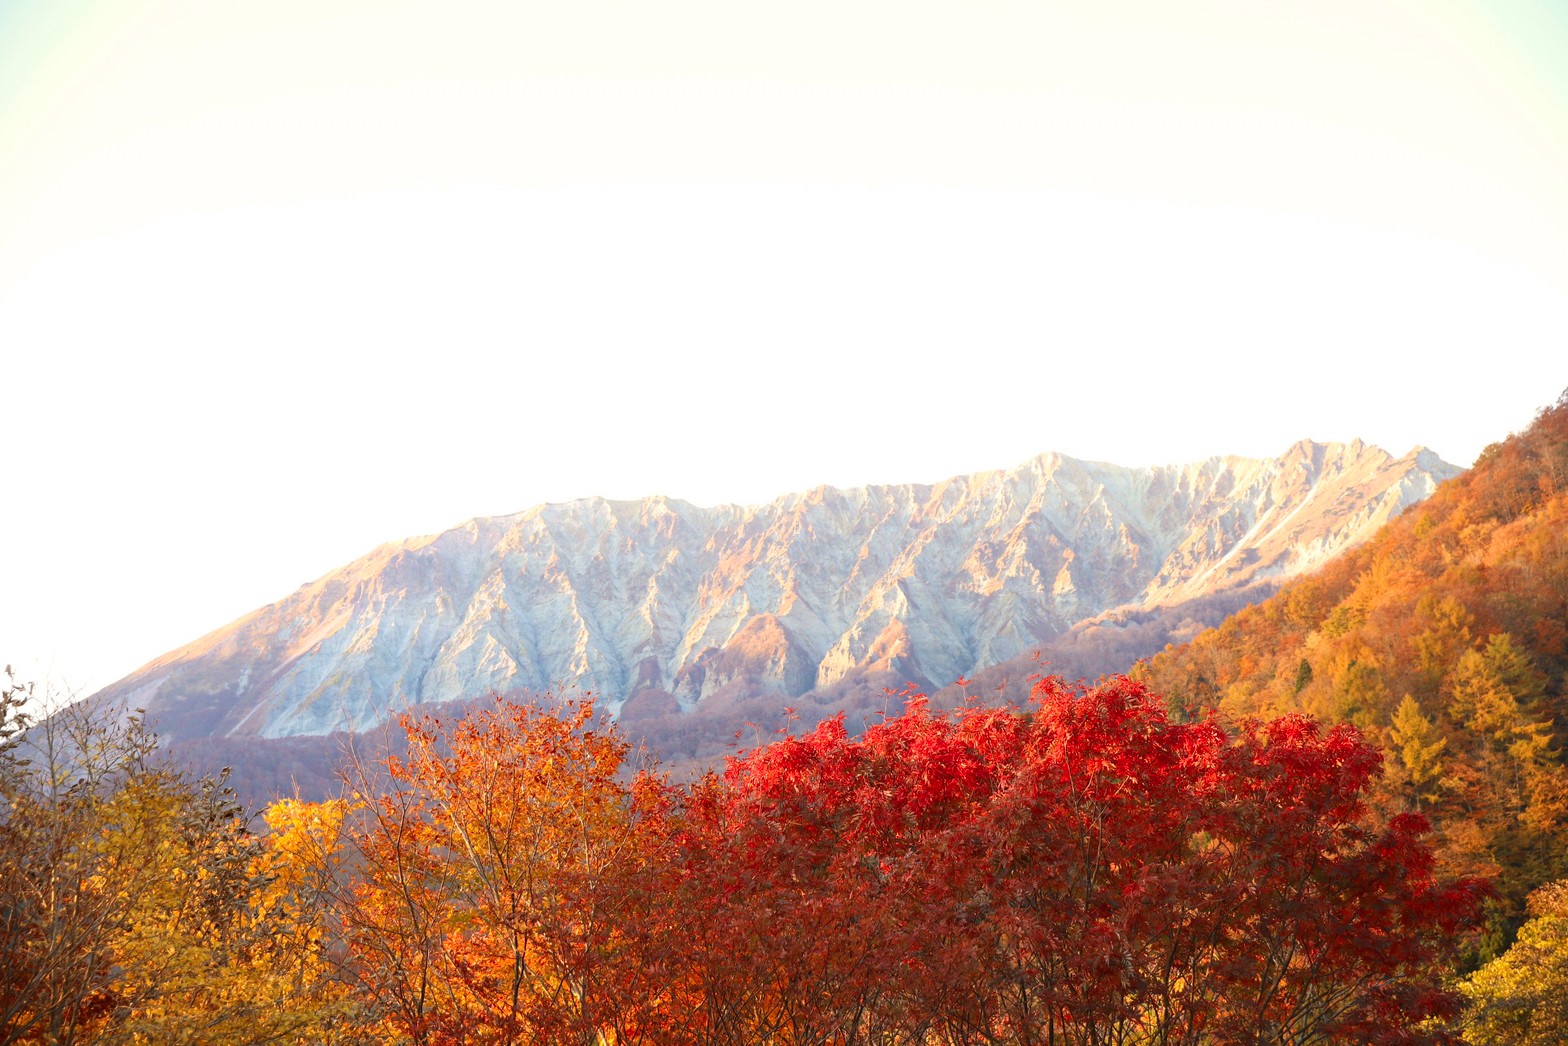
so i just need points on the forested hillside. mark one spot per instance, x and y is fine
(1445, 638)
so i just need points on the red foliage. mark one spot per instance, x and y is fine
(1081, 871)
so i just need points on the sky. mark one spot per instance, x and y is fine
(281, 281)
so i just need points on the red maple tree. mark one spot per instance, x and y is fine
(1084, 870)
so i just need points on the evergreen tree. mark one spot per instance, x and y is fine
(1416, 742)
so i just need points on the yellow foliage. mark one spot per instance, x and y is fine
(1521, 997)
(225, 945)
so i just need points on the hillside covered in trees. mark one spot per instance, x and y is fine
(1445, 639)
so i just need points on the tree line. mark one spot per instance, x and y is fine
(1087, 868)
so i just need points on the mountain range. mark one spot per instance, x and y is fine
(677, 614)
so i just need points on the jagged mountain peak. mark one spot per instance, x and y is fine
(705, 606)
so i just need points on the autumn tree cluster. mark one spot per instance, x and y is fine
(1445, 639)
(136, 906)
(1081, 870)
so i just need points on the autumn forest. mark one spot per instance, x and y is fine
(1342, 816)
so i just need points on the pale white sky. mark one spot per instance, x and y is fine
(282, 280)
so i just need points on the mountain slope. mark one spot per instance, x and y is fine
(1446, 638)
(664, 607)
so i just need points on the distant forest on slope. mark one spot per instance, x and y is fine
(1445, 639)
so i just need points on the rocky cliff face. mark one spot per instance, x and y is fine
(666, 606)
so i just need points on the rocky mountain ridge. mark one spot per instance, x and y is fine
(664, 608)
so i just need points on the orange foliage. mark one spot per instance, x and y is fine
(492, 880)
(1486, 557)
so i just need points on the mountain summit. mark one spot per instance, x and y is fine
(665, 608)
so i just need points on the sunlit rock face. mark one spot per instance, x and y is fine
(668, 605)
